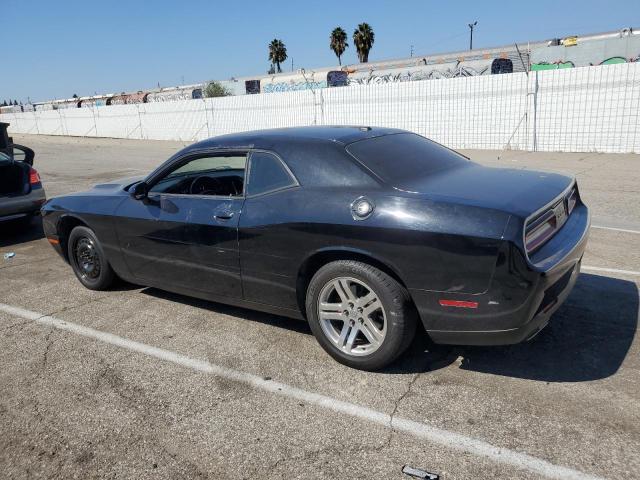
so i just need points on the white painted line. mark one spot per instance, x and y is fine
(625, 230)
(609, 270)
(446, 438)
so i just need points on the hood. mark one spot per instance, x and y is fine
(113, 187)
(119, 183)
(515, 191)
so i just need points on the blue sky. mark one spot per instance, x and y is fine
(55, 49)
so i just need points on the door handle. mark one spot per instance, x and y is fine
(223, 216)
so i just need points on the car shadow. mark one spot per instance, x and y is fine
(278, 321)
(587, 339)
(15, 232)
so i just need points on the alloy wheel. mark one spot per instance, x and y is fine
(352, 316)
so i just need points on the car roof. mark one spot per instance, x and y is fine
(343, 135)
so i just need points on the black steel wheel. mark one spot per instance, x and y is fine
(88, 261)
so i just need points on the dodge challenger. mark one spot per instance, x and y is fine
(364, 232)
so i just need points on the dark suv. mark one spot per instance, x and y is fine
(21, 192)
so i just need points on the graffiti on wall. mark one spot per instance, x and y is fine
(616, 60)
(175, 94)
(292, 86)
(561, 64)
(128, 99)
(425, 73)
(337, 78)
(93, 102)
(252, 87)
(551, 66)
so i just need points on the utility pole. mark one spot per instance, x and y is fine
(471, 25)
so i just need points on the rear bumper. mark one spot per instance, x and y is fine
(522, 298)
(528, 330)
(22, 205)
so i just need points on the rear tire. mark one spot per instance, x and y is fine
(88, 260)
(361, 316)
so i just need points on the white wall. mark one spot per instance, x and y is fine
(582, 109)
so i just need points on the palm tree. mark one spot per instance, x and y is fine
(363, 38)
(338, 43)
(277, 53)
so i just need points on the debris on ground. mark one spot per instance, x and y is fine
(419, 473)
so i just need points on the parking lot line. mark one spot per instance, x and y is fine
(419, 430)
(625, 230)
(609, 270)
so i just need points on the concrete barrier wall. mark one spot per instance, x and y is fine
(588, 109)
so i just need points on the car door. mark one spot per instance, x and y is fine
(267, 232)
(184, 233)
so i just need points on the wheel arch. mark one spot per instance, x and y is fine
(319, 258)
(66, 223)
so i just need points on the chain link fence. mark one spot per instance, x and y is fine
(587, 109)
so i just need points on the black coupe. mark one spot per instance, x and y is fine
(361, 231)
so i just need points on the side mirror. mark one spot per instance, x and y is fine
(139, 191)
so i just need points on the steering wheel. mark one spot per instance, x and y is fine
(205, 185)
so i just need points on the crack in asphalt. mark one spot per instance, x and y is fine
(45, 355)
(396, 405)
(20, 323)
(68, 308)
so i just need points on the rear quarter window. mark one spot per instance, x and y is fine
(267, 173)
(398, 157)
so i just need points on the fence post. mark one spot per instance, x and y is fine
(139, 120)
(95, 124)
(206, 117)
(61, 122)
(35, 120)
(321, 106)
(535, 113)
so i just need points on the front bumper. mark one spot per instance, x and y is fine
(522, 297)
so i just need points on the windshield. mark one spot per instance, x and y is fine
(403, 156)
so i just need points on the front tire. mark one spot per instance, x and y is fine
(88, 260)
(360, 315)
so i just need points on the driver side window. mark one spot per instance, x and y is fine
(219, 175)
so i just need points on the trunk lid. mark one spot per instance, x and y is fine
(515, 191)
(15, 152)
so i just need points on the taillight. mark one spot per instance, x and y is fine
(572, 200)
(542, 228)
(34, 176)
(540, 231)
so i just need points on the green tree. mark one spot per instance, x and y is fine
(338, 42)
(363, 38)
(216, 89)
(277, 53)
